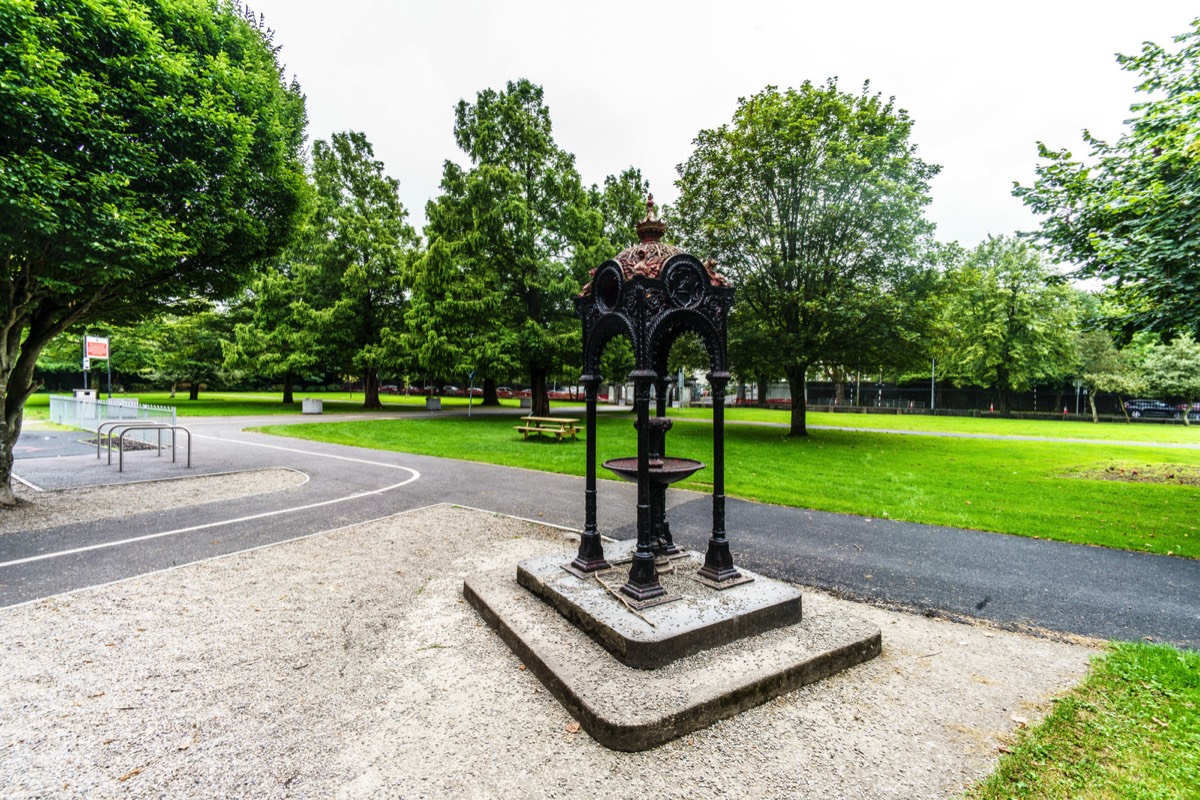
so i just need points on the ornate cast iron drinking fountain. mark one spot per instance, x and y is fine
(622, 668)
(652, 293)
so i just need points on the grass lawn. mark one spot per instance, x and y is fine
(1174, 433)
(1130, 730)
(1074, 493)
(239, 404)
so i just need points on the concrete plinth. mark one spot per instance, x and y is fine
(695, 618)
(630, 709)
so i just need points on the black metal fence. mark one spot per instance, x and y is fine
(941, 397)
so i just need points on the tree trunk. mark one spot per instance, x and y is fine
(10, 430)
(762, 390)
(537, 388)
(371, 389)
(1092, 403)
(194, 391)
(489, 393)
(795, 379)
(288, 379)
(1121, 405)
(1002, 400)
(172, 390)
(17, 363)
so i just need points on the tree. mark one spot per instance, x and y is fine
(189, 349)
(622, 204)
(360, 249)
(276, 341)
(149, 152)
(510, 241)
(1104, 368)
(1007, 321)
(1173, 370)
(811, 200)
(1129, 216)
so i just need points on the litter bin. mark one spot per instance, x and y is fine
(433, 404)
(312, 405)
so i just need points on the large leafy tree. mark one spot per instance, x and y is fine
(812, 200)
(510, 241)
(1128, 213)
(275, 340)
(1173, 370)
(1104, 368)
(360, 250)
(189, 349)
(1007, 320)
(149, 152)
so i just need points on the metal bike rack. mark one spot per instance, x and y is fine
(160, 428)
(113, 424)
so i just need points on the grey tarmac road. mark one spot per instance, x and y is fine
(1007, 580)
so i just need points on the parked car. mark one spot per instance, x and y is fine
(452, 391)
(1193, 410)
(503, 392)
(1152, 408)
(389, 389)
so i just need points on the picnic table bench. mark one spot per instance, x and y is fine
(549, 426)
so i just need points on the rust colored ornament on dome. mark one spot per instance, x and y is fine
(646, 258)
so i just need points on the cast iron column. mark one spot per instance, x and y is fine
(591, 551)
(718, 563)
(661, 389)
(643, 577)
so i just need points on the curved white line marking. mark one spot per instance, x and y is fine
(306, 452)
(414, 476)
(19, 479)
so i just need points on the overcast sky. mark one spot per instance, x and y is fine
(633, 83)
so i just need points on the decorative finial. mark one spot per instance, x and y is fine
(650, 229)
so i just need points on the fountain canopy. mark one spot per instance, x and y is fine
(652, 292)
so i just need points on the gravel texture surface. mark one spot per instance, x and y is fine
(348, 664)
(38, 510)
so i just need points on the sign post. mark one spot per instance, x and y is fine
(96, 347)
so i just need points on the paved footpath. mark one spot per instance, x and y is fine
(1008, 580)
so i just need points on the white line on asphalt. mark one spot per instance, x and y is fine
(303, 452)
(44, 556)
(27, 483)
(175, 567)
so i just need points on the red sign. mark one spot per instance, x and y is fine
(96, 347)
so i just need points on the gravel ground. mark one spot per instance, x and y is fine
(37, 510)
(347, 664)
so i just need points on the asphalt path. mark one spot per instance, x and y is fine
(1010, 581)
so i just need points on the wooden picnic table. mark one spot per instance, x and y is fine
(548, 426)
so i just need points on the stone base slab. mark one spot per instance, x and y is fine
(629, 709)
(657, 632)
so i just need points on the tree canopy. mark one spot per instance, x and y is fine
(510, 242)
(812, 201)
(1006, 319)
(1173, 370)
(360, 249)
(1128, 213)
(150, 152)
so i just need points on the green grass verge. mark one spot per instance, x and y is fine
(1015, 487)
(1173, 433)
(242, 404)
(1130, 730)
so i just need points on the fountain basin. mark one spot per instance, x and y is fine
(663, 471)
